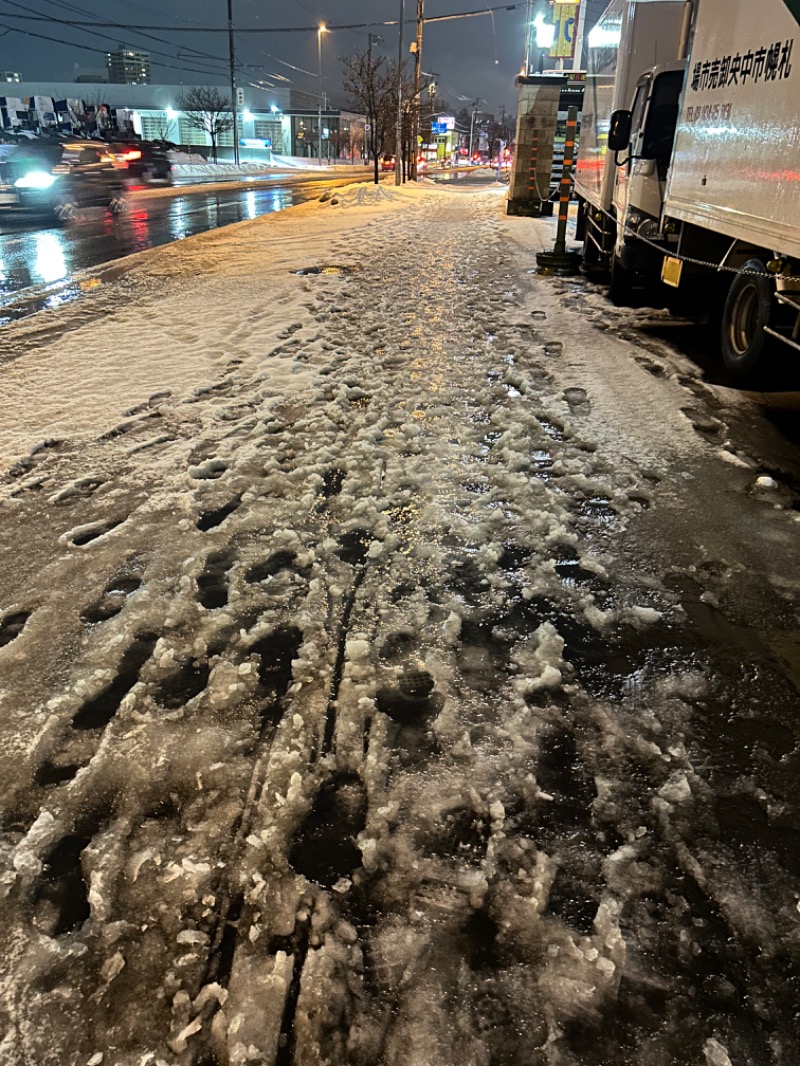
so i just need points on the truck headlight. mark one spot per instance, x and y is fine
(647, 228)
(36, 179)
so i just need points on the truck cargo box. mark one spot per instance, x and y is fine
(736, 167)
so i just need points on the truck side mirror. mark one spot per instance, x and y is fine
(619, 132)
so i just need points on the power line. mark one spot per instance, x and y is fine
(98, 51)
(102, 36)
(274, 29)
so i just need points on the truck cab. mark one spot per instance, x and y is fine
(642, 139)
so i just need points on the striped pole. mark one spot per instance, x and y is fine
(532, 173)
(565, 185)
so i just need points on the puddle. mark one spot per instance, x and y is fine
(324, 850)
(354, 546)
(332, 482)
(187, 682)
(98, 712)
(62, 895)
(211, 584)
(212, 519)
(280, 560)
(11, 626)
(276, 652)
(114, 597)
(598, 509)
(553, 431)
(329, 268)
(514, 557)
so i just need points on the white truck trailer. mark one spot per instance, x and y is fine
(689, 170)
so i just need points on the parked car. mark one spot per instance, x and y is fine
(387, 163)
(53, 179)
(144, 161)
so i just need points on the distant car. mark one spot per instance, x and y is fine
(144, 161)
(54, 179)
(388, 162)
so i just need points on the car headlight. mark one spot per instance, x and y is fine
(36, 179)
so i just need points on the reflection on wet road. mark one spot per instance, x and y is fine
(48, 258)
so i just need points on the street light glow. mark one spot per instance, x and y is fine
(545, 32)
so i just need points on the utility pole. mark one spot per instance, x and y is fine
(398, 158)
(472, 129)
(233, 84)
(370, 134)
(416, 103)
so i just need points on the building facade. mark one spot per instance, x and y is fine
(153, 113)
(126, 66)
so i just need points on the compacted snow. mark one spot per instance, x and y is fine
(398, 666)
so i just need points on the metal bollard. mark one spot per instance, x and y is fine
(560, 261)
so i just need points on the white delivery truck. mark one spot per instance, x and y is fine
(692, 181)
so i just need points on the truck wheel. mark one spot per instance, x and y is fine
(621, 291)
(747, 311)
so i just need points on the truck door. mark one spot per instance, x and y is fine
(625, 168)
(641, 181)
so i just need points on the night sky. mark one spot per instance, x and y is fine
(473, 58)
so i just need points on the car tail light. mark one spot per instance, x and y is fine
(131, 154)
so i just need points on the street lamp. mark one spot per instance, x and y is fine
(322, 29)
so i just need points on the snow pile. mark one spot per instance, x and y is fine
(345, 715)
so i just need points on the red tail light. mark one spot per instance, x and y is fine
(132, 153)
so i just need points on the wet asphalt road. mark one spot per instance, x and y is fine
(47, 258)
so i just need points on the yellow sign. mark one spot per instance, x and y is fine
(565, 19)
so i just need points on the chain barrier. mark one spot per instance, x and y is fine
(685, 258)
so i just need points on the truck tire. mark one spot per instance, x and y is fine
(621, 290)
(747, 311)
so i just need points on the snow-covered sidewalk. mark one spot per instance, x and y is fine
(396, 666)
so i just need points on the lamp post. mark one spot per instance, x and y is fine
(322, 29)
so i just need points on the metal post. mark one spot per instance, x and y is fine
(398, 159)
(565, 185)
(416, 102)
(528, 25)
(577, 59)
(471, 132)
(231, 49)
(320, 31)
(560, 261)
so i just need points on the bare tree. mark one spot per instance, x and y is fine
(371, 81)
(206, 109)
